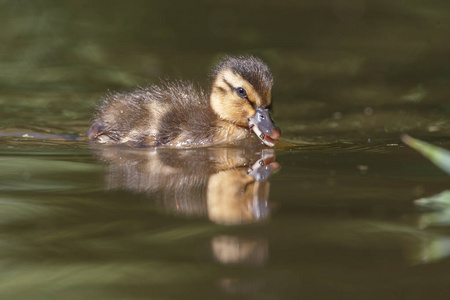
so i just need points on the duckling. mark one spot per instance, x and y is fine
(180, 114)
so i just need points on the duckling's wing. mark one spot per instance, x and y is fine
(173, 114)
(188, 119)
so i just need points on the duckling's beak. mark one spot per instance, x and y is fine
(261, 124)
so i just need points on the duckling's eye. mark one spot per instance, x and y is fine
(241, 92)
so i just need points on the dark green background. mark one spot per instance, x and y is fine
(57, 58)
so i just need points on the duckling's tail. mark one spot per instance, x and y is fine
(96, 129)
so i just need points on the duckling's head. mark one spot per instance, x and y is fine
(241, 93)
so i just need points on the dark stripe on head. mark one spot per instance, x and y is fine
(252, 69)
(221, 89)
(229, 84)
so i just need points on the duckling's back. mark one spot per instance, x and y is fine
(174, 114)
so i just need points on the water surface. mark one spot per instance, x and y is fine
(334, 217)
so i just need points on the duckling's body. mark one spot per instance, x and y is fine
(180, 115)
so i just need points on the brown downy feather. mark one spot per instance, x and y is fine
(157, 115)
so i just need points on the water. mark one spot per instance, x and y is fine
(335, 220)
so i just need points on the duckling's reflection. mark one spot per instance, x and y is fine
(229, 186)
(228, 249)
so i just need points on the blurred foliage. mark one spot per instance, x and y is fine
(440, 201)
(440, 157)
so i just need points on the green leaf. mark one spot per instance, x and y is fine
(440, 157)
